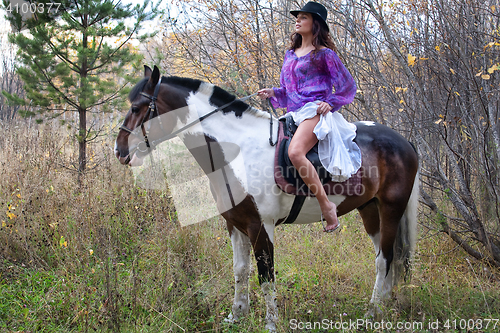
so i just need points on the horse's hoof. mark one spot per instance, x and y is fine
(374, 312)
(231, 319)
(271, 327)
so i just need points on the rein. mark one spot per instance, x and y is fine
(271, 124)
(146, 145)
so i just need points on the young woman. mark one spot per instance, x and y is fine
(311, 69)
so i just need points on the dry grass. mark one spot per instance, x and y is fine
(108, 256)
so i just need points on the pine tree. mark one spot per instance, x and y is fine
(77, 57)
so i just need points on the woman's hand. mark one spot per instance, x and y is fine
(266, 93)
(323, 108)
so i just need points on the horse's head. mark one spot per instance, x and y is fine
(162, 108)
(143, 124)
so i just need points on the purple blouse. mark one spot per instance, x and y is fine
(312, 78)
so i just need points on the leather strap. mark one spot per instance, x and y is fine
(298, 202)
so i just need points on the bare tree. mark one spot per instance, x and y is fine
(9, 80)
(428, 70)
(238, 44)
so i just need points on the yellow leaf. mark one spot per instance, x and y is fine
(411, 60)
(456, 92)
(398, 89)
(438, 48)
(4, 224)
(401, 102)
(438, 121)
(479, 74)
(485, 77)
(11, 216)
(63, 242)
(452, 71)
(493, 68)
(19, 196)
(91, 252)
(422, 58)
(490, 44)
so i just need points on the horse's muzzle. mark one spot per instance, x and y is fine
(123, 160)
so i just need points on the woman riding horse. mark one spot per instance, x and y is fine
(201, 113)
(310, 71)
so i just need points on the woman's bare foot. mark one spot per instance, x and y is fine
(330, 215)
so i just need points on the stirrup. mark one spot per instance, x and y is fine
(324, 226)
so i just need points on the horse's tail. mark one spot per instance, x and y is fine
(406, 237)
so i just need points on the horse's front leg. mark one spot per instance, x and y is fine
(262, 240)
(242, 249)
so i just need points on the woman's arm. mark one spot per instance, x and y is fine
(345, 87)
(266, 93)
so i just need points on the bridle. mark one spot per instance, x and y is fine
(146, 145)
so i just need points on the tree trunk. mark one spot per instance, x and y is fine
(82, 109)
(82, 141)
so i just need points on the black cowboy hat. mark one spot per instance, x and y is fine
(318, 10)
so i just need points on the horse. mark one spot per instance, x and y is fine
(254, 205)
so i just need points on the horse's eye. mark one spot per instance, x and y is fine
(135, 109)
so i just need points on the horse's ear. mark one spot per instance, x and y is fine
(147, 71)
(155, 76)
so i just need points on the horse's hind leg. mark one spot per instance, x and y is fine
(371, 220)
(381, 218)
(242, 249)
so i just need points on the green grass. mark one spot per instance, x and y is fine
(107, 256)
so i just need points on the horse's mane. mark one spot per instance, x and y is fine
(136, 90)
(219, 96)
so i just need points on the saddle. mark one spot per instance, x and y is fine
(287, 177)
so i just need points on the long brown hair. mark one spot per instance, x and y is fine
(321, 37)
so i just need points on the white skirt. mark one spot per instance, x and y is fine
(338, 153)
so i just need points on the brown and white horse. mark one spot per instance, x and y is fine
(246, 194)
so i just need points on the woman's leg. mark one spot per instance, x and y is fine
(303, 140)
